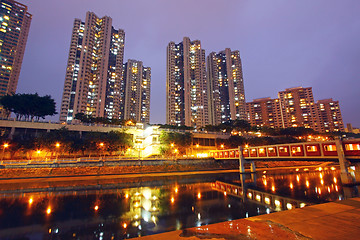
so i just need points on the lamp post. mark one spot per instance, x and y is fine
(6, 145)
(57, 145)
(101, 148)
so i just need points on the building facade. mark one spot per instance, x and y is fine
(295, 107)
(94, 74)
(330, 116)
(298, 108)
(137, 79)
(14, 29)
(226, 95)
(186, 88)
(264, 112)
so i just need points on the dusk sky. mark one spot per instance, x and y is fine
(282, 43)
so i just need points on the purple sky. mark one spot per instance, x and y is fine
(283, 43)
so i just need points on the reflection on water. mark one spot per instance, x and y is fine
(117, 209)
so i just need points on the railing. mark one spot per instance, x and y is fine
(272, 201)
(304, 150)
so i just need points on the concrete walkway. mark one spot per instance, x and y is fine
(336, 220)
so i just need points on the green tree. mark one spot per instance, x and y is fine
(29, 106)
(174, 140)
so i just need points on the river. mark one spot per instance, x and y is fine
(126, 208)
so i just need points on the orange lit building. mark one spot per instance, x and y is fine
(264, 112)
(298, 108)
(295, 107)
(330, 116)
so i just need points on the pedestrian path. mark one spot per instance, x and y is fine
(335, 220)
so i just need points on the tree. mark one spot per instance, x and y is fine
(29, 106)
(179, 141)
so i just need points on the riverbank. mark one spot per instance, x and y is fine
(131, 167)
(335, 220)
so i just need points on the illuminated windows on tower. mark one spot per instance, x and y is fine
(186, 88)
(225, 87)
(94, 74)
(14, 29)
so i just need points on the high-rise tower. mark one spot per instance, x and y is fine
(94, 74)
(298, 108)
(186, 88)
(225, 87)
(330, 116)
(137, 80)
(14, 29)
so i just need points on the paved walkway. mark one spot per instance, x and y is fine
(336, 220)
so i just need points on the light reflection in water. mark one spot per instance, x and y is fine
(144, 210)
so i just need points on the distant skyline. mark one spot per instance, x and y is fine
(282, 44)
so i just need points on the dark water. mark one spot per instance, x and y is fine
(126, 208)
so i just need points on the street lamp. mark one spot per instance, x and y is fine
(6, 145)
(101, 147)
(57, 145)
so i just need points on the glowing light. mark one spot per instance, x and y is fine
(199, 195)
(319, 190)
(127, 196)
(101, 144)
(225, 193)
(291, 186)
(273, 188)
(197, 145)
(329, 189)
(267, 200)
(176, 190)
(307, 183)
(172, 200)
(302, 205)
(246, 146)
(147, 193)
(321, 176)
(249, 195)
(298, 178)
(264, 172)
(289, 206)
(277, 203)
(6, 145)
(336, 188)
(31, 200)
(38, 151)
(96, 208)
(320, 169)
(48, 210)
(322, 182)
(297, 170)
(258, 198)
(335, 180)
(57, 145)
(124, 225)
(222, 145)
(332, 168)
(306, 169)
(265, 182)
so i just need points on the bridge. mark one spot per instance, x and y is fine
(343, 151)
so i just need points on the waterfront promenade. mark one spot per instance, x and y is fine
(335, 220)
